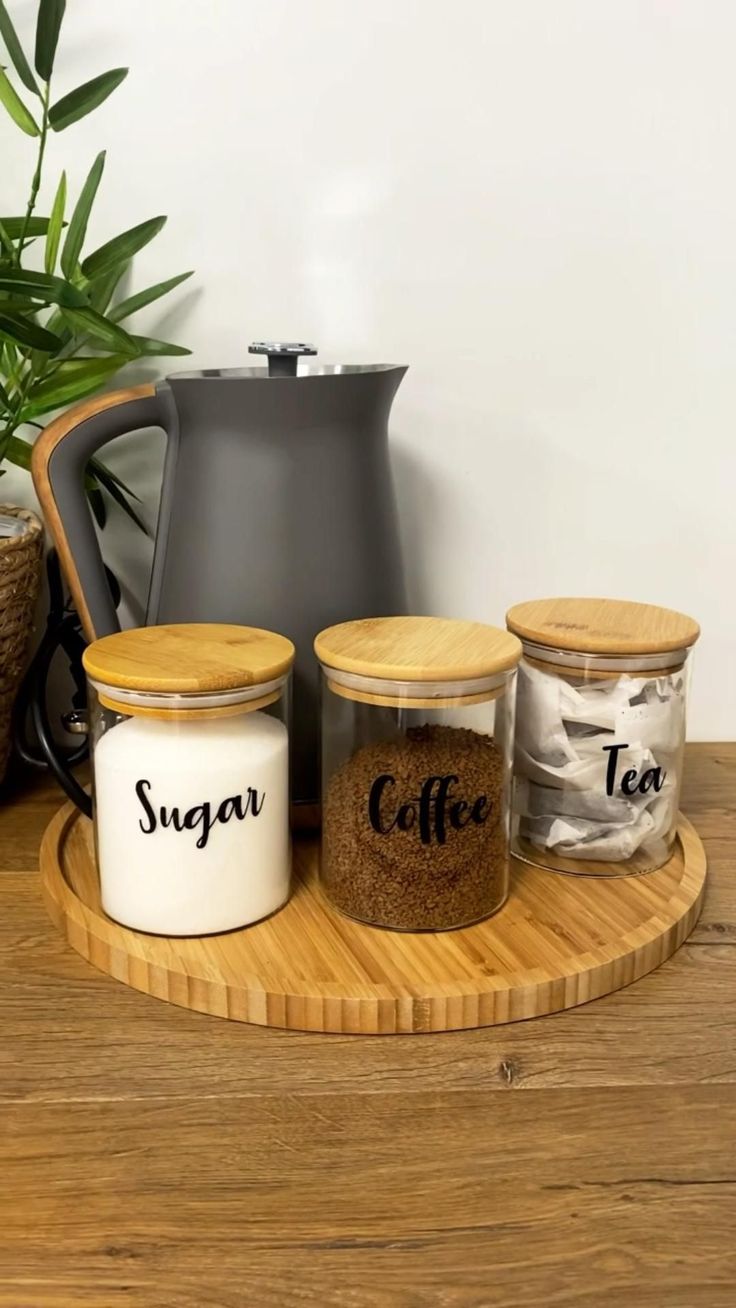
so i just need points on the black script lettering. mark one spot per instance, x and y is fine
(481, 810)
(199, 815)
(253, 804)
(628, 781)
(653, 777)
(433, 806)
(230, 807)
(374, 803)
(141, 787)
(406, 817)
(631, 782)
(456, 814)
(170, 819)
(613, 751)
(430, 807)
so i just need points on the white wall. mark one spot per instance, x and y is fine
(531, 203)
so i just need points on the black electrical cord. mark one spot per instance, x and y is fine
(40, 718)
(63, 632)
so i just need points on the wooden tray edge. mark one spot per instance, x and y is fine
(327, 1008)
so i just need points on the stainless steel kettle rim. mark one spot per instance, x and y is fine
(283, 361)
(258, 374)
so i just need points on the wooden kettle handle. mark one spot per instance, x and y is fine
(59, 458)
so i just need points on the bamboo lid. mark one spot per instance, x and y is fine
(602, 626)
(187, 658)
(417, 649)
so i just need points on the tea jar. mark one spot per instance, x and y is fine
(600, 733)
(417, 734)
(190, 761)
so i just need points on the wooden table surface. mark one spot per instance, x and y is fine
(153, 1156)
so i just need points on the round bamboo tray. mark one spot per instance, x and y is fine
(559, 941)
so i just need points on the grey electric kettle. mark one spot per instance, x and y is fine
(277, 508)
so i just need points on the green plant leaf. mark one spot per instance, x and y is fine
(96, 500)
(19, 453)
(15, 50)
(121, 247)
(18, 304)
(92, 323)
(4, 398)
(119, 493)
(41, 286)
(71, 380)
(74, 239)
(36, 226)
(7, 244)
(15, 106)
(84, 99)
(148, 347)
(50, 14)
(102, 289)
(55, 225)
(20, 331)
(143, 298)
(105, 474)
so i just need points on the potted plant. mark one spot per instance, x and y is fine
(62, 336)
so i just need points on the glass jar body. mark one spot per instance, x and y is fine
(191, 809)
(416, 784)
(598, 760)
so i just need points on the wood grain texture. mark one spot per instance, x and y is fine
(153, 1157)
(593, 672)
(188, 658)
(373, 1202)
(168, 714)
(40, 459)
(415, 701)
(557, 942)
(602, 626)
(417, 649)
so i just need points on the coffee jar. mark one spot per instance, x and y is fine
(190, 761)
(600, 733)
(417, 739)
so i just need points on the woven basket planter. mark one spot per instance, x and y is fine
(20, 577)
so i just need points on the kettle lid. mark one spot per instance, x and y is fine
(283, 356)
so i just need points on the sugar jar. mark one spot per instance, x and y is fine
(417, 733)
(190, 761)
(600, 733)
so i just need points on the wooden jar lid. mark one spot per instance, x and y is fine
(602, 626)
(417, 649)
(186, 658)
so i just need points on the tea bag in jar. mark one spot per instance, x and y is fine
(600, 733)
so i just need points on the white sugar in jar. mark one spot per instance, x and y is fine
(190, 756)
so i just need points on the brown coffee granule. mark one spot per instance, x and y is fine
(448, 870)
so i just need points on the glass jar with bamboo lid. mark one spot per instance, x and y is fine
(190, 762)
(417, 735)
(600, 735)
